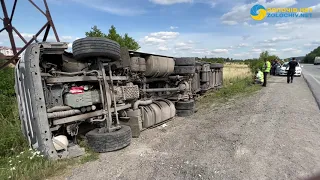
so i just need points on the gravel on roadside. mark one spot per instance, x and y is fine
(273, 134)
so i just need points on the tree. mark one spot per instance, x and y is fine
(113, 35)
(263, 55)
(124, 41)
(311, 56)
(254, 64)
(95, 32)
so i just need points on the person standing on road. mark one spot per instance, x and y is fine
(273, 67)
(266, 70)
(291, 70)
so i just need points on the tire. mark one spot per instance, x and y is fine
(185, 105)
(184, 69)
(185, 61)
(216, 65)
(95, 47)
(107, 142)
(184, 113)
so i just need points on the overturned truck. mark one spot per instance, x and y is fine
(103, 93)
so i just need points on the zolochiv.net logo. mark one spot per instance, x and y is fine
(259, 12)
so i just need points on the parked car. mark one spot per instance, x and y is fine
(281, 70)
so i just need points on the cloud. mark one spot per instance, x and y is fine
(245, 37)
(230, 22)
(254, 50)
(257, 25)
(291, 50)
(163, 48)
(206, 52)
(313, 43)
(159, 37)
(266, 45)
(282, 39)
(316, 11)
(183, 46)
(28, 36)
(220, 51)
(242, 55)
(200, 51)
(165, 34)
(241, 13)
(173, 27)
(284, 25)
(152, 40)
(242, 45)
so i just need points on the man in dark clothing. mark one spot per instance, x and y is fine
(291, 70)
(274, 67)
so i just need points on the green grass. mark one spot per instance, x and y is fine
(16, 160)
(30, 165)
(233, 88)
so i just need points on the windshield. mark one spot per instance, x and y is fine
(287, 64)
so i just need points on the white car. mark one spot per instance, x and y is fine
(281, 70)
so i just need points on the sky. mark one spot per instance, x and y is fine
(180, 28)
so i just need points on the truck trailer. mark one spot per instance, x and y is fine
(103, 93)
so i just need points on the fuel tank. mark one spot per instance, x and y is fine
(157, 112)
(159, 66)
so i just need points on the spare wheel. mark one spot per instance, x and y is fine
(109, 141)
(91, 47)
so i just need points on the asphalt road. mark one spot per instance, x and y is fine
(273, 134)
(312, 75)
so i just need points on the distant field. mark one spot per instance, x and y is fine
(234, 71)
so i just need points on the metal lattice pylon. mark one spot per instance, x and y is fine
(7, 25)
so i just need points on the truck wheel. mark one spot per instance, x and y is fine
(185, 61)
(184, 113)
(95, 47)
(185, 105)
(216, 65)
(184, 69)
(105, 142)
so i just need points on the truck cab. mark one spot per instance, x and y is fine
(317, 60)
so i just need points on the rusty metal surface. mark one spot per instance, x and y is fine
(7, 25)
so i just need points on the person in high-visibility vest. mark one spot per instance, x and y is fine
(266, 71)
(259, 77)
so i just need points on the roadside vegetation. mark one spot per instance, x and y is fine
(309, 58)
(238, 79)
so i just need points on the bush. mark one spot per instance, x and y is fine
(255, 64)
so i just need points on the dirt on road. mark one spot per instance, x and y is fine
(273, 134)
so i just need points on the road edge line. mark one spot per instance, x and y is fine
(312, 91)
